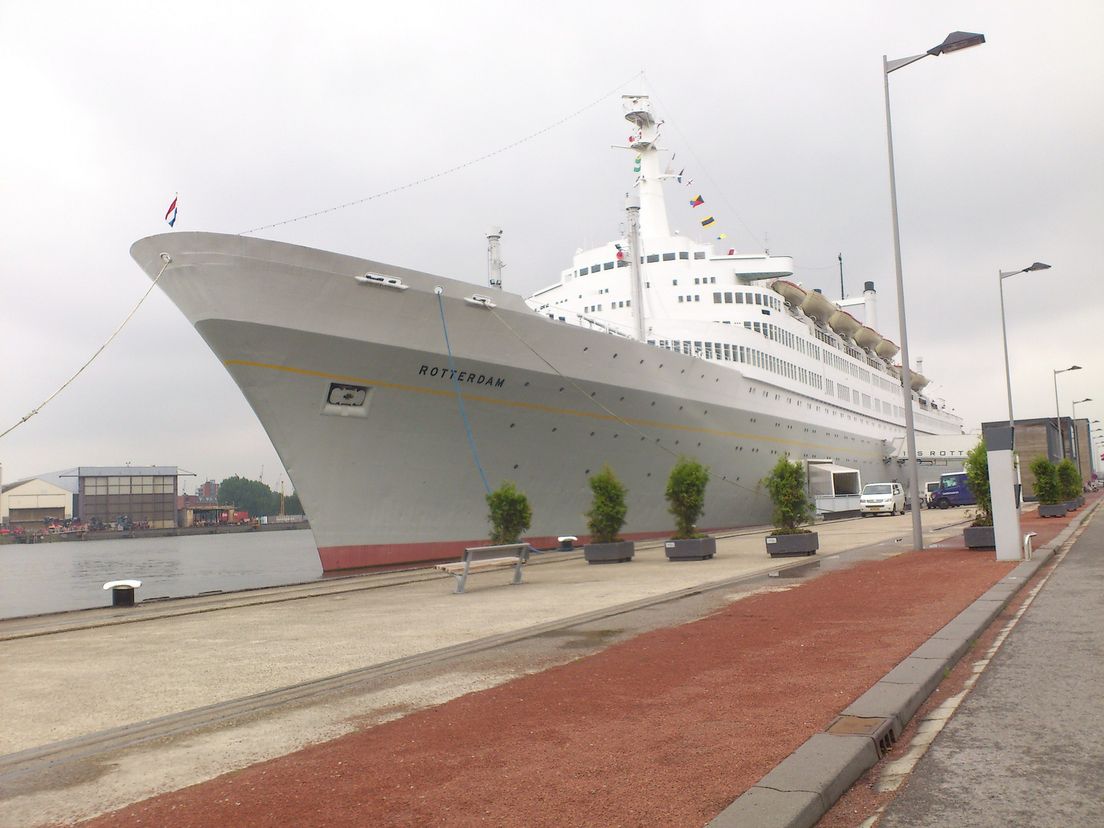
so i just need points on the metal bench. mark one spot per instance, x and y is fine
(487, 559)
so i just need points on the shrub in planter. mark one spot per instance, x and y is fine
(980, 533)
(686, 501)
(1069, 481)
(605, 519)
(977, 477)
(792, 510)
(510, 514)
(1046, 488)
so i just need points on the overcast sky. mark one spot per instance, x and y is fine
(260, 112)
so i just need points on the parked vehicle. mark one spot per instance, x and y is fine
(930, 489)
(882, 497)
(953, 491)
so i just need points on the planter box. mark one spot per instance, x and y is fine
(691, 549)
(780, 546)
(1072, 505)
(979, 537)
(1052, 510)
(616, 552)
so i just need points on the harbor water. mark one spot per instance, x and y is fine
(57, 577)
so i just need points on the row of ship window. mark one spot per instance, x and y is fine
(727, 352)
(627, 303)
(651, 257)
(738, 298)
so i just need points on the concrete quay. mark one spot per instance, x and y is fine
(263, 673)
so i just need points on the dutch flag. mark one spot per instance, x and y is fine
(170, 214)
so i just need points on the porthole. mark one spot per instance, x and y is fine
(561, 388)
(512, 425)
(622, 399)
(587, 471)
(592, 434)
(554, 428)
(586, 347)
(615, 356)
(515, 465)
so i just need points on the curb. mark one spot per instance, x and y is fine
(806, 784)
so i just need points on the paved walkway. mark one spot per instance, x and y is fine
(1026, 746)
(89, 678)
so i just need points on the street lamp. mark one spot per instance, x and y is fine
(953, 42)
(1057, 408)
(1004, 274)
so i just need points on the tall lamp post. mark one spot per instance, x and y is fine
(1057, 407)
(1004, 274)
(953, 42)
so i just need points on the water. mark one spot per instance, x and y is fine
(53, 577)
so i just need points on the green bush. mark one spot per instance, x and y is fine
(510, 513)
(786, 487)
(686, 496)
(1069, 480)
(977, 476)
(1046, 481)
(607, 509)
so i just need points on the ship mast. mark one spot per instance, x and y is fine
(494, 258)
(653, 210)
(636, 255)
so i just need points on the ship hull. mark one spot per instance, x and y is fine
(396, 476)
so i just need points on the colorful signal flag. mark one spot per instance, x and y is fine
(698, 200)
(707, 221)
(170, 214)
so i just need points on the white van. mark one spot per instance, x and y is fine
(882, 497)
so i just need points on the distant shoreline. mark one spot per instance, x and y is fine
(108, 534)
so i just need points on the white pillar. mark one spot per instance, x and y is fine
(1002, 490)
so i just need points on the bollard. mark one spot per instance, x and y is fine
(567, 543)
(122, 592)
(1027, 545)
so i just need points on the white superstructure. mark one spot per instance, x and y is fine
(392, 395)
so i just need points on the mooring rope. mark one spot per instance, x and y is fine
(65, 384)
(459, 396)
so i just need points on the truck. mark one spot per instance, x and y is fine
(953, 490)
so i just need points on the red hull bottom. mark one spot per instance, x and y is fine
(393, 555)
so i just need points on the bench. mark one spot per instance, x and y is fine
(487, 559)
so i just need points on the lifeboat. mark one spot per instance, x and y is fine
(817, 306)
(867, 337)
(794, 294)
(844, 323)
(918, 381)
(886, 349)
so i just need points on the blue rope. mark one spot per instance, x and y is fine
(459, 396)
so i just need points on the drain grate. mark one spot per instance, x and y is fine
(877, 728)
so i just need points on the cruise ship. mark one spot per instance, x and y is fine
(395, 399)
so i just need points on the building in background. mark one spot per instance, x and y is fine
(141, 495)
(31, 503)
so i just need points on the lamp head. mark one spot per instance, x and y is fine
(957, 40)
(1036, 266)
